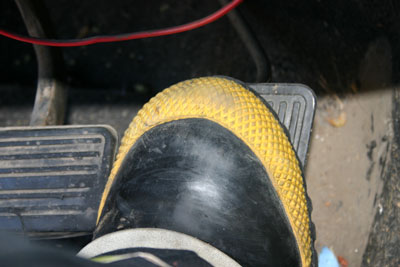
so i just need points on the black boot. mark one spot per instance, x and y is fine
(207, 158)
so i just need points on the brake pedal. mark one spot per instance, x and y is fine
(52, 178)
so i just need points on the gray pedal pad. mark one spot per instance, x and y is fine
(294, 105)
(52, 178)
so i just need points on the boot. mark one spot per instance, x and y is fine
(207, 158)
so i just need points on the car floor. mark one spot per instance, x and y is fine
(349, 61)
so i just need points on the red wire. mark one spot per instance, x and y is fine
(124, 37)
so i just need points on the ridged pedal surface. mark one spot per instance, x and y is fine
(51, 179)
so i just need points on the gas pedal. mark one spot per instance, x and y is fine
(294, 106)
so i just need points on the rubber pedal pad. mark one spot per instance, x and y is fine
(52, 178)
(294, 106)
